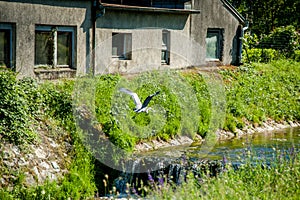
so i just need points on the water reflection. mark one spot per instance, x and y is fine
(261, 146)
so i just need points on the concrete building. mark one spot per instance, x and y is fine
(51, 39)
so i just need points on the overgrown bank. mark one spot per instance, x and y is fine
(260, 181)
(254, 94)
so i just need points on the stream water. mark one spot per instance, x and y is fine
(261, 148)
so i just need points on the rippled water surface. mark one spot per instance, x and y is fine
(262, 146)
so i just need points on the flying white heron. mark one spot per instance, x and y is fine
(139, 107)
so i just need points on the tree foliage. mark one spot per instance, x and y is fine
(265, 16)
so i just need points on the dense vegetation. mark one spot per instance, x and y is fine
(281, 43)
(265, 16)
(24, 104)
(254, 93)
(281, 181)
(17, 108)
(258, 92)
(265, 87)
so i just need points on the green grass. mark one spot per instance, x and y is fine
(254, 93)
(24, 104)
(259, 92)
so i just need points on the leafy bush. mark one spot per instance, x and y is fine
(261, 91)
(285, 39)
(19, 106)
(281, 43)
(260, 55)
(296, 55)
(56, 100)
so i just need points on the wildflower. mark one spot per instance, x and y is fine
(292, 152)
(133, 190)
(161, 181)
(150, 179)
(114, 189)
(224, 159)
(104, 182)
(127, 188)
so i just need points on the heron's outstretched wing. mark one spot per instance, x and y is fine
(148, 99)
(135, 97)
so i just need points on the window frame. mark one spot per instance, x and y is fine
(11, 53)
(219, 32)
(126, 51)
(165, 48)
(55, 30)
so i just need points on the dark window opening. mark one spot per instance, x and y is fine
(165, 52)
(6, 46)
(122, 45)
(214, 44)
(44, 49)
(64, 48)
(54, 46)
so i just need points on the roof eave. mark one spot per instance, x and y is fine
(236, 13)
(149, 9)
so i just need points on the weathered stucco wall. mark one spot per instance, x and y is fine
(51, 12)
(146, 29)
(215, 15)
(187, 34)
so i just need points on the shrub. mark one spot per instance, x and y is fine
(296, 55)
(282, 42)
(18, 107)
(56, 101)
(260, 91)
(260, 55)
(285, 39)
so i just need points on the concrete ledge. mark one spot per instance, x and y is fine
(56, 73)
(149, 9)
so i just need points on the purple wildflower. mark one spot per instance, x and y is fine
(161, 181)
(184, 159)
(150, 179)
(292, 152)
(225, 161)
(133, 190)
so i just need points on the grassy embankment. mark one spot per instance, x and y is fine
(254, 93)
(281, 181)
